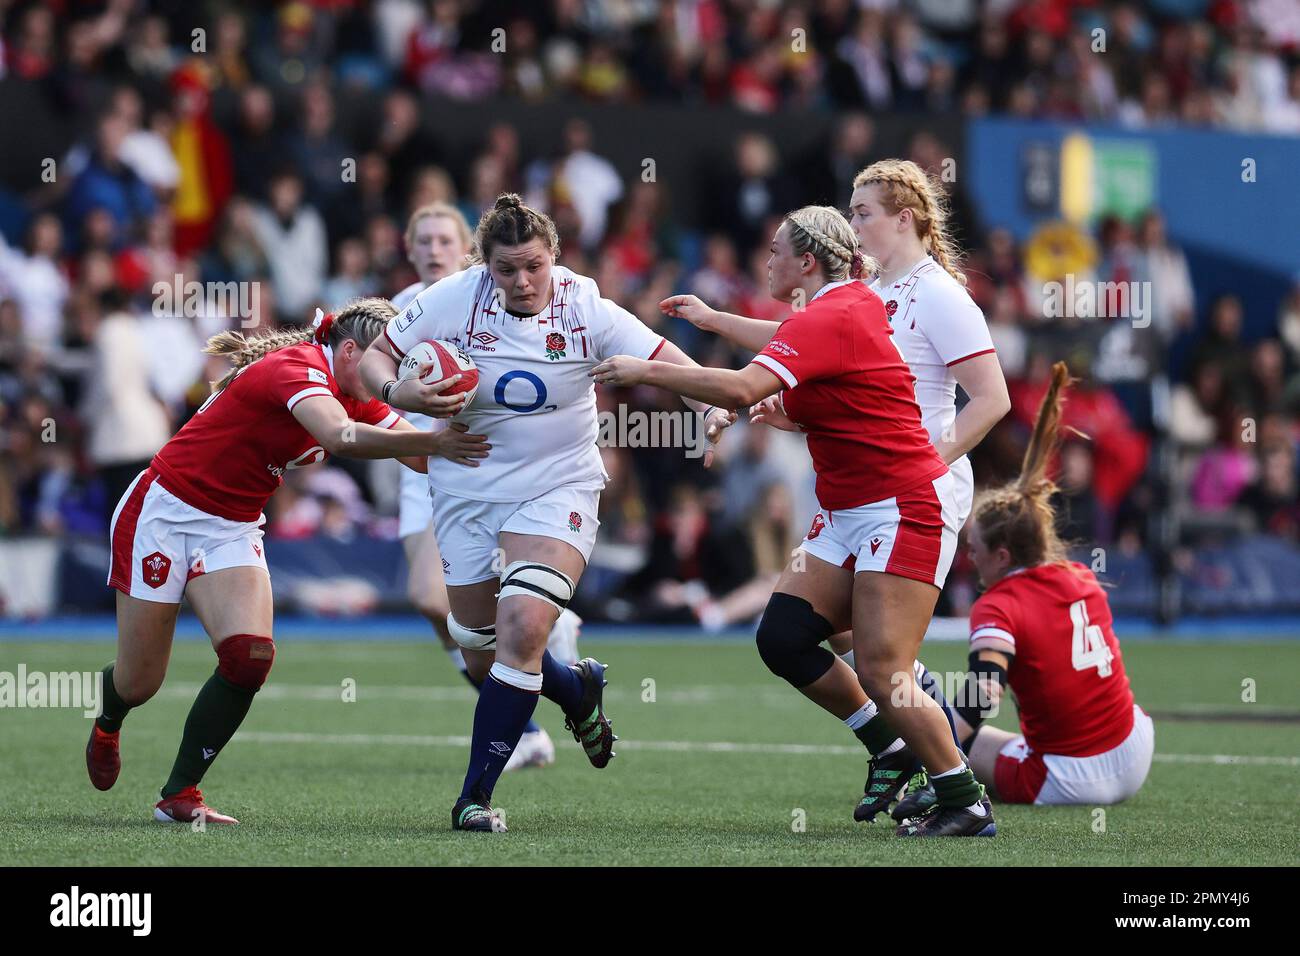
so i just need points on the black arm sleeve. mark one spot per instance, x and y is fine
(974, 706)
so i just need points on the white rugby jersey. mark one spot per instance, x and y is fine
(535, 401)
(401, 301)
(936, 325)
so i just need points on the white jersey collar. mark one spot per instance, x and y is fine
(909, 273)
(831, 285)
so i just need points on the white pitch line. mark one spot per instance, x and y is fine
(694, 746)
(688, 694)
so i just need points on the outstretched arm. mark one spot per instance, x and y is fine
(328, 422)
(715, 419)
(740, 330)
(724, 387)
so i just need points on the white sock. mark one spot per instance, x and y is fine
(457, 658)
(895, 746)
(847, 657)
(860, 716)
(516, 678)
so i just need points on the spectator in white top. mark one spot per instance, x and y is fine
(1173, 306)
(593, 183)
(292, 234)
(126, 421)
(35, 281)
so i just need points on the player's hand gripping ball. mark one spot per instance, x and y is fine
(447, 360)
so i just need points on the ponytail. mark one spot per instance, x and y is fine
(1019, 516)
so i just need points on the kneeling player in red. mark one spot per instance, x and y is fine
(191, 524)
(1043, 627)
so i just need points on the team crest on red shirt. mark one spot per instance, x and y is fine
(555, 346)
(818, 523)
(155, 568)
(575, 521)
(891, 307)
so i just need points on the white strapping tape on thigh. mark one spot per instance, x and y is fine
(537, 580)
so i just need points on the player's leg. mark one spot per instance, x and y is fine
(144, 646)
(235, 607)
(811, 598)
(538, 580)
(426, 589)
(842, 645)
(811, 603)
(559, 523)
(984, 748)
(890, 616)
(148, 572)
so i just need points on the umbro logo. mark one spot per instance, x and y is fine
(875, 545)
(483, 340)
(500, 747)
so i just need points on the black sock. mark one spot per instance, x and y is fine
(561, 684)
(530, 728)
(115, 708)
(217, 712)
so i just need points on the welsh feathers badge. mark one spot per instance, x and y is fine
(555, 346)
(154, 569)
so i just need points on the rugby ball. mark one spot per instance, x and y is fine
(447, 360)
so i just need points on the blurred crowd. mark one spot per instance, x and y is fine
(225, 167)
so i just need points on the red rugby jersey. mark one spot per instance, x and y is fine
(848, 387)
(1068, 677)
(230, 457)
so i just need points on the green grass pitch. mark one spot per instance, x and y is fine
(719, 763)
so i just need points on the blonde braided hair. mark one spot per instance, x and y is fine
(361, 320)
(826, 234)
(905, 185)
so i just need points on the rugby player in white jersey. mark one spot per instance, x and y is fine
(898, 215)
(516, 519)
(438, 242)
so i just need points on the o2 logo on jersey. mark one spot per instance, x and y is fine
(528, 382)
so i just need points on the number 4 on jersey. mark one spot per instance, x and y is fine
(1089, 643)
